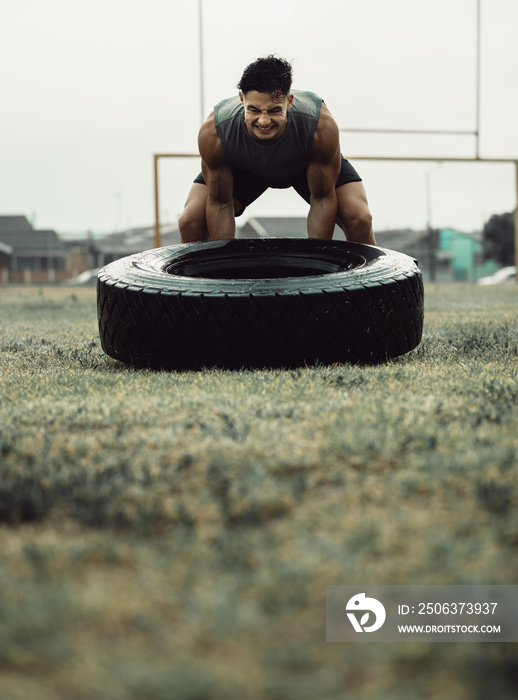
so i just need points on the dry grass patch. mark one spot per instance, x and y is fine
(170, 535)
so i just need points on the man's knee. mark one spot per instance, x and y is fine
(192, 229)
(359, 219)
(354, 216)
(357, 225)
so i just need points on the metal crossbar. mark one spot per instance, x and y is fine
(434, 132)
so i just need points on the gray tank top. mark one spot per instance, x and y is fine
(277, 161)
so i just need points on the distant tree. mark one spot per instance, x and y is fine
(498, 239)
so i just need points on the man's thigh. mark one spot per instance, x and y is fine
(196, 201)
(351, 198)
(353, 213)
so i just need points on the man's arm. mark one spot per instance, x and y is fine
(322, 173)
(219, 179)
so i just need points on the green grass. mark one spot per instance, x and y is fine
(170, 535)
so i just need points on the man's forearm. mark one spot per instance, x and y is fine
(322, 217)
(220, 220)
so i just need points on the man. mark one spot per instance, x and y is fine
(267, 137)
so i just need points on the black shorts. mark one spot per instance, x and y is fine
(248, 186)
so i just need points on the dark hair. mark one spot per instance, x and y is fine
(269, 75)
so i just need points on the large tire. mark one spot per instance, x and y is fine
(257, 303)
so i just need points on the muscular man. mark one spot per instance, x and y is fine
(270, 136)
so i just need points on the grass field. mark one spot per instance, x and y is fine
(169, 536)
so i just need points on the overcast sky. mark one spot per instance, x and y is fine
(90, 90)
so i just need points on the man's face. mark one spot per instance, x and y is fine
(265, 116)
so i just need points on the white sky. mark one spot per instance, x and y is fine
(91, 89)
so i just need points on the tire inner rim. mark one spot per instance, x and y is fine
(244, 264)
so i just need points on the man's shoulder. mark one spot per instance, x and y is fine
(307, 102)
(227, 109)
(307, 94)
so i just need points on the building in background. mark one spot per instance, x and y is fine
(31, 256)
(444, 255)
(28, 255)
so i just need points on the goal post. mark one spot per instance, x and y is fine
(474, 132)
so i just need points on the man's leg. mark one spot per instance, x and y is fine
(192, 221)
(353, 214)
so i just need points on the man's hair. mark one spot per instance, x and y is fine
(269, 75)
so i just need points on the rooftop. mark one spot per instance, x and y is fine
(17, 234)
